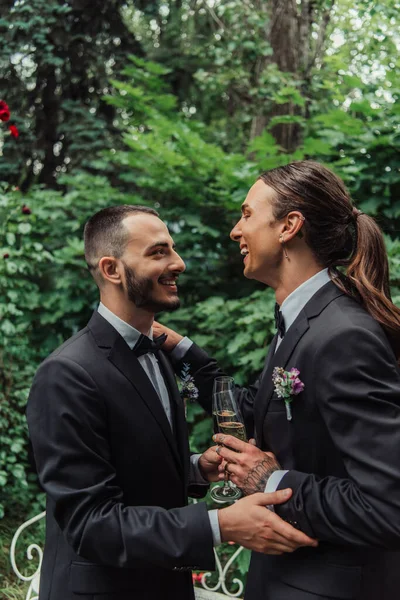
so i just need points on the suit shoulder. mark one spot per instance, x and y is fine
(75, 349)
(345, 325)
(345, 315)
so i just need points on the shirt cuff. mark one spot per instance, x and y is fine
(214, 522)
(195, 475)
(272, 484)
(180, 349)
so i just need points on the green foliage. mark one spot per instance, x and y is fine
(56, 59)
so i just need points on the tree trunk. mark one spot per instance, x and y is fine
(294, 51)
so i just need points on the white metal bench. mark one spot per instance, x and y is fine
(33, 551)
(205, 592)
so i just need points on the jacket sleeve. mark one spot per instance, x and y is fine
(357, 390)
(67, 422)
(204, 370)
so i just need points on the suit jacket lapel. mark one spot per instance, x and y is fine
(119, 353)
(276, 359)
(178, 408)
(281, 357)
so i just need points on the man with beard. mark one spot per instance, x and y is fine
(110, 441)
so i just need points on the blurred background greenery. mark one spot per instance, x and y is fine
(178, 105)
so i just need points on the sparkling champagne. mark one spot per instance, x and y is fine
(233, 428)
(222, 416)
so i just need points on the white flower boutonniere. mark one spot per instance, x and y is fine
(287, 384)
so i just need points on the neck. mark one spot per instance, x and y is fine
(139, 318)
(293, 274)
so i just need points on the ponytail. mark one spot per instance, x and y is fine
(339, 235)
(368, 277)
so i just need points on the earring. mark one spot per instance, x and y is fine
(283, 246)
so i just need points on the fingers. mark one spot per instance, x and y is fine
(173, 337)
(278, 497)
(231, 442)
(229, 455)
(252, 441)
(293, 537)
(212, 455)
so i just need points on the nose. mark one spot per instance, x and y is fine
(236, 233)
(178, 264)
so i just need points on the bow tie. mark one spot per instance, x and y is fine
(145, 344)
(279, 321)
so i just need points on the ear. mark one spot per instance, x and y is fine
(111, 269)
(292, 225)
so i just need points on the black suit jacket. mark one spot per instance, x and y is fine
(342, 449)
(118, 525)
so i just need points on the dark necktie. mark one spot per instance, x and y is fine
(279, 321)
(145, 344)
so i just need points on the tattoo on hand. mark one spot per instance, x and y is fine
(258, 476)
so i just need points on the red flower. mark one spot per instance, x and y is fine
(6, 255)
(197, 577)
(26, 210)
(4, 111)
(14, 131)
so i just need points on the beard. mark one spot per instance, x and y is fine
(140, 291)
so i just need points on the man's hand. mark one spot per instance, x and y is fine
(209, 462)
(249, 467)
(173, 337)
(249, 523)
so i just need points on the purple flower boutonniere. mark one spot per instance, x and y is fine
(188, 389)
(287, 384)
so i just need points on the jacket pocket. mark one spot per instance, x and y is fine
(89, 578)
(336, 581)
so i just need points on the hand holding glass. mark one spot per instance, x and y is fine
(227, 420)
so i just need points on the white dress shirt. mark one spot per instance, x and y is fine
(152, 369)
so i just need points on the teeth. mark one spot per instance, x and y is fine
(165, 282)
(244, 252)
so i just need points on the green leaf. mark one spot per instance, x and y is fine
(24, 228)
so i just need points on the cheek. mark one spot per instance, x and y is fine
(263, 245)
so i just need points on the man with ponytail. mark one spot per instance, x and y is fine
(336, 440)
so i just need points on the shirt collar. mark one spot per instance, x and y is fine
(296, 301)
(129, 333)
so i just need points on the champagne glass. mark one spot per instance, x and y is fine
(221, 384)
(229, 421)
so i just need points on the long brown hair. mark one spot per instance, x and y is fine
(339, 235)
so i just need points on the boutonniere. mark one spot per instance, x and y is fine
(188, 390)
(287, 384)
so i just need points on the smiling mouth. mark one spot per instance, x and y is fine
(245, 253)
(169, 282)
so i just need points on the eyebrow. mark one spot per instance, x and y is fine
(158, 245)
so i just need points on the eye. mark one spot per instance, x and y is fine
(159, 252)
(245, 216)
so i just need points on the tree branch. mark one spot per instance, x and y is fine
(321, 37)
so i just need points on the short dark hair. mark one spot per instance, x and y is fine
(104, 234)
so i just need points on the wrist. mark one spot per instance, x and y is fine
(224, 525)
(172, 341)
(201, 468)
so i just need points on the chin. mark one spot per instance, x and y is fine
(159, 305)
(247, 273)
